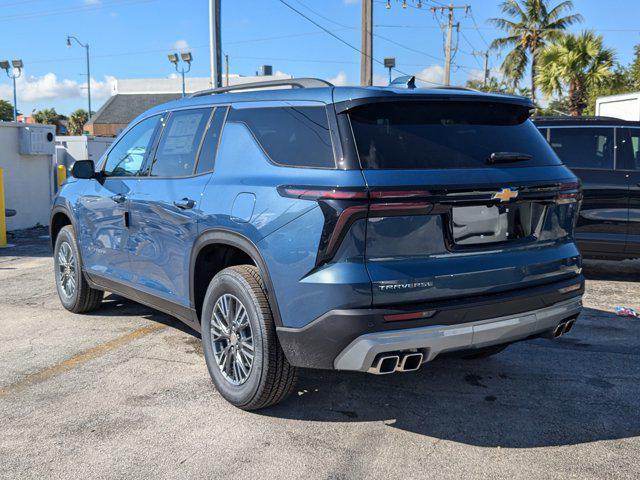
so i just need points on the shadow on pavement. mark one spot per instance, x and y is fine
(577, 389)
(612, 270)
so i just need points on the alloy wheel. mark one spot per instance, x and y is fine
(67, 269)
(232, 339)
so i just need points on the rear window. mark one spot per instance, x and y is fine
(291, 136)
(445, 134)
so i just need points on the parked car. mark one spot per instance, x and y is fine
(605, 154)
(364, 229)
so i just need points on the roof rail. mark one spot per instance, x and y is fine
(581, 118)
(291, 82)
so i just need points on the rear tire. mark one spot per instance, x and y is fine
(241, 348)
(484, 352)
(73, 289)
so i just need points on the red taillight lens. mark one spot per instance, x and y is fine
(323, 193)
(399, 317)
(569, 193)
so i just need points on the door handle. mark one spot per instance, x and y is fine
(185, 203)
(119, 198)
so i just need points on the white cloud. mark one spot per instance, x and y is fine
(340, 79)
(49, 87)
(429, 76)
(380, 79)
(181, 45)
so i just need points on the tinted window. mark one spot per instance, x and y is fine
(127, 156)
(437, 134)
(294, 136)
(584, 147)
(629, 148)
(207, 154)
(179, 144)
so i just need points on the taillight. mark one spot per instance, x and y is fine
(568, 193)
(343, 206)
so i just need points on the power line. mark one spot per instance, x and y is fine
(341, 40)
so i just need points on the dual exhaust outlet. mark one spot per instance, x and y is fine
(396, 362)
(563, 327)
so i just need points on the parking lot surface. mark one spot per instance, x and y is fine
(124, 393)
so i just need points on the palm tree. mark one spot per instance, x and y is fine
(577, 62)
(77, 120)
(532, 24)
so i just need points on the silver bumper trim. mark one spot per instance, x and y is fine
(433, 340)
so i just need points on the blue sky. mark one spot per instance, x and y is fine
(130, 39)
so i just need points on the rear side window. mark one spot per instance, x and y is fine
(445, 134)
(291, 136)
(207, 155)
(628, 148)
(179, 144)
(586, 147)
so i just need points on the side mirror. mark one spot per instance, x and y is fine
(83, 169)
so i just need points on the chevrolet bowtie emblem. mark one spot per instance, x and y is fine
(505, 195)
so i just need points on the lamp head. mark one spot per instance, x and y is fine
(186, 57)
(4, 65)
(17, 63)
(68, 41)
(173, 58)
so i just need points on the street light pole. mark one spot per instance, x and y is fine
(186, 58)
(17, 65)
(86, 47)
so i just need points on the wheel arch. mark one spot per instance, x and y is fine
(60, 217)
(238, 241)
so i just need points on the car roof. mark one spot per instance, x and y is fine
(338, 95)
(583, 121)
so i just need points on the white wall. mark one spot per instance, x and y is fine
(625, 107)
(28, 180)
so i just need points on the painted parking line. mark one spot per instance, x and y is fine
(77, 360)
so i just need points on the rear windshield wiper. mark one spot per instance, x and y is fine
(504, 157)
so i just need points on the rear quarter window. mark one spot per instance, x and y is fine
(290, 136)
(584, 147)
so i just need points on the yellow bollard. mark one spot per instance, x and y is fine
(62, 174)
(3, 220)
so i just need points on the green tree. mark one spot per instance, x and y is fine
(77, 120)
(48, 116)
(531, 24)
(575, 64)
(6, 111)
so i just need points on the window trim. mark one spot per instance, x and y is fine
(217, 146)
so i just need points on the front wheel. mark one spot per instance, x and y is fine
(73, 289)
(245, 360)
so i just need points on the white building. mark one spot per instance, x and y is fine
(625, 106)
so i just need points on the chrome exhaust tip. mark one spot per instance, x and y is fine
(385, 364)
(568, 326)
(560, 330)
(410, 362)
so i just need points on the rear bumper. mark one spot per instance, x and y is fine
(348, 339)
(431, 341)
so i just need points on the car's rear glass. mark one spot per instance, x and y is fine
(445, 134)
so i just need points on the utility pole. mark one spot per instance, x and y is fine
(226, 69)
(366, 55)
(485, 77)
(450, 9)
(215, 47)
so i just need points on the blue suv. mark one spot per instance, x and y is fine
(304, 225)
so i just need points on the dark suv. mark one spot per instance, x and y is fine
(364, 229)
(605, 154)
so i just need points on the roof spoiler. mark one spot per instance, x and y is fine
(287, 82)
